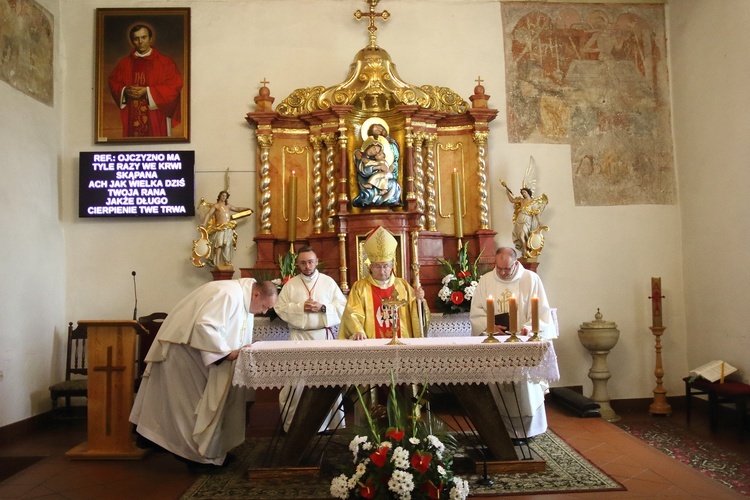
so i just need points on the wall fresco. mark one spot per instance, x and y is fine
(26, 48)
(594, 76)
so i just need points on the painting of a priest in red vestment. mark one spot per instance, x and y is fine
(146, 86)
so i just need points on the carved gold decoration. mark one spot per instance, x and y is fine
(201, 248)
(316, 142)
(480, 138)
(265, 142)
(330, 143)
(430, 183)
(372, 86)
(301, 101)
(419, 176)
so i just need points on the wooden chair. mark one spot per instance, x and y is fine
(151, 323)
(75, 383)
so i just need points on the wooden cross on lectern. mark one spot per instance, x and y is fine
(109, 369)
(372, 15)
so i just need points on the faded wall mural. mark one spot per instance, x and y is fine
(26, 48)
(594, 76)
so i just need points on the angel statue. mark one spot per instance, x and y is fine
(218, 238)
(527, 226)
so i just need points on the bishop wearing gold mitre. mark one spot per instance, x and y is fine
(364, 316)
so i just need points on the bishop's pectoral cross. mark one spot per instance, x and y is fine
(372, 15)
(109, 369)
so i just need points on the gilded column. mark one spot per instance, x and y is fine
(430, 184)
(480, 138)
(343, 195)
(264, 142)
(330, 144)
(419, 176)
(316, 141)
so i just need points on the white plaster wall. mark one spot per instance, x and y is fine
(596, 257)
(711, 130)
(32, 274)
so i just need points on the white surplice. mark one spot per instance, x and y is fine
(523, 285)
(186, 402)
(290, 307)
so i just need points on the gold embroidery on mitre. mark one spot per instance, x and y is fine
(380, 245)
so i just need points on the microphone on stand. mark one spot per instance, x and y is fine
(135, 294)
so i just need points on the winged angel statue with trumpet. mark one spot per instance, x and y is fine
(527, 225)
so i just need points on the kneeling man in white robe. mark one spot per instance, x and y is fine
(186, 402)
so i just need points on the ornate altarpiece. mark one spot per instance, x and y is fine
(313, 134)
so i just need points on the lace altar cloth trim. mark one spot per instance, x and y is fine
(441, 325)
(449, 360)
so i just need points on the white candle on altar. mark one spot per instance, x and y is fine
(490, 314)
(513, 315)
(457, 210)
(292, 204)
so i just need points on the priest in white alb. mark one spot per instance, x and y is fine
(312, 304)
(186, 403)
(510, 279)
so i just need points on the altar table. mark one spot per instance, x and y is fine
(466, 365)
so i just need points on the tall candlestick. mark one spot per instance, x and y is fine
(513, 315)
(292, 228)
(534, 314)
(656, 301)
(490, 314)
(457, 210)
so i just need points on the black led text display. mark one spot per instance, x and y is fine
(136, 184)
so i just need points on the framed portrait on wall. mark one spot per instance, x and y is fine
(142, 75)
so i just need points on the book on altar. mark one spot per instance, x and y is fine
(713, 370)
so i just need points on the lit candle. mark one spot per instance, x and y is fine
(292, 205)
(490, 314)
(534, 314)
(656, 301)
(457, 210)
(513, 315)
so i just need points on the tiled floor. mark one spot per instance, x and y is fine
(646, 472)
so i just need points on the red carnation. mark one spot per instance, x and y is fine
(457, 297)
(464, 274)
(380, 457)
(394, 433)
(421, 461)
(286, 278)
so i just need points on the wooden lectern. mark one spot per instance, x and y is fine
(111, 373)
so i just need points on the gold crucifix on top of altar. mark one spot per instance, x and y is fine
(372, 15)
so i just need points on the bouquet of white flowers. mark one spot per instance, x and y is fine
(460, 282)
(404, 460)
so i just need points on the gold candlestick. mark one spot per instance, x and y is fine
(659, 406)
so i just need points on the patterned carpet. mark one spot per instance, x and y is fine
(726, 467)
(567, 471)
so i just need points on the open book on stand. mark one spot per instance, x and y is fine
(713, 370)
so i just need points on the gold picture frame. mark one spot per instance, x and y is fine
(142, 100)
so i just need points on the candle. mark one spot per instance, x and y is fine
(656, 301)
(490, 314)
(513, 315)
(721, 380)
(457, 210)
(534, 314)
(292, 205)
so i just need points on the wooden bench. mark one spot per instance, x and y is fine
(718, 393)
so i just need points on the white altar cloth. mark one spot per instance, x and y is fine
(445, 360)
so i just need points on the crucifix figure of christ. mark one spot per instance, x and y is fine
(109, 369)
(372, 15)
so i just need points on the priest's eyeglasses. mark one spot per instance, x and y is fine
(384, 265)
